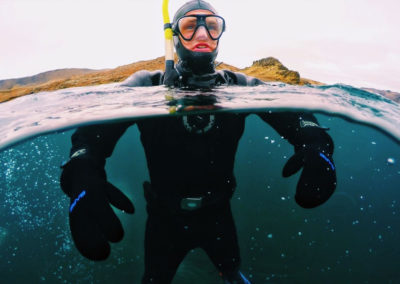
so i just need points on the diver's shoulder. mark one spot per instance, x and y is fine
(144, 78)
(238, 78)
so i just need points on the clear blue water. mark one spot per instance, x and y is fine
(350, 239)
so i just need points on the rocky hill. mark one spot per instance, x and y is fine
(267, 69)
(44, 77)
(386, 93)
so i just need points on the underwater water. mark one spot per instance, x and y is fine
(352, 238)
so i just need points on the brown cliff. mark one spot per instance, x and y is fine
(267, 69)
(271, 69)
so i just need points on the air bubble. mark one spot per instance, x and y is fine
(391, 161)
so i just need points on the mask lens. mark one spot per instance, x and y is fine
(215, 26)
(187, 26)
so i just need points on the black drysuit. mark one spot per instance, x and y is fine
(190, 161)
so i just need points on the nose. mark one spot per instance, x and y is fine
(201, 33)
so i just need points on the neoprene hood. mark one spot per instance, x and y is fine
(197, 62)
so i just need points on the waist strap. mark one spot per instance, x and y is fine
(187, 203)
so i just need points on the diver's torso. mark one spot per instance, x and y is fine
(192, 153)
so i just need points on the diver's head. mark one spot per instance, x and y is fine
(197, 29)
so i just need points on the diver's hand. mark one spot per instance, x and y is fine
(318, 179)
(93, 222)
(170, 78)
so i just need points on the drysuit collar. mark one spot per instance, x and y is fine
(192, 80)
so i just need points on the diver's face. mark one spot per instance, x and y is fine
(201, 41)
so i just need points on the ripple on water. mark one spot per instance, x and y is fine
(41, 113)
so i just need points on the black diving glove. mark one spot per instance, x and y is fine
(318, 178)
(92, 221)
(171, 77)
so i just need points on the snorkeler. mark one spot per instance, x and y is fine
(190, 159)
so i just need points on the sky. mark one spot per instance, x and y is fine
(355, 42)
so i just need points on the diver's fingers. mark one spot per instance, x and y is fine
(294, 164)
(87, 235)
(118, 199)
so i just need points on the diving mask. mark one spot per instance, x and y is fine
(187, 26)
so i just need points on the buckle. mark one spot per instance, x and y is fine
(191, 203)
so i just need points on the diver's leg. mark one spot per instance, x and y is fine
(164, 251)
(222, 246)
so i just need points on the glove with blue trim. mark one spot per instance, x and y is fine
(318, 179)
(93, 222)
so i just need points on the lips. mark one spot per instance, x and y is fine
(202, 47)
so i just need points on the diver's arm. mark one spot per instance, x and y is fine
(144, 78)
(237, 78)
(97, 141)
(298, 128)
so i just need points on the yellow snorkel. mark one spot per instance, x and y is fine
(169, 44)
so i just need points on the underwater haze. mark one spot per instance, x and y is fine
(352, 238)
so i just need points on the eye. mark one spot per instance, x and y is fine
(187, 24)
(212, 26)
